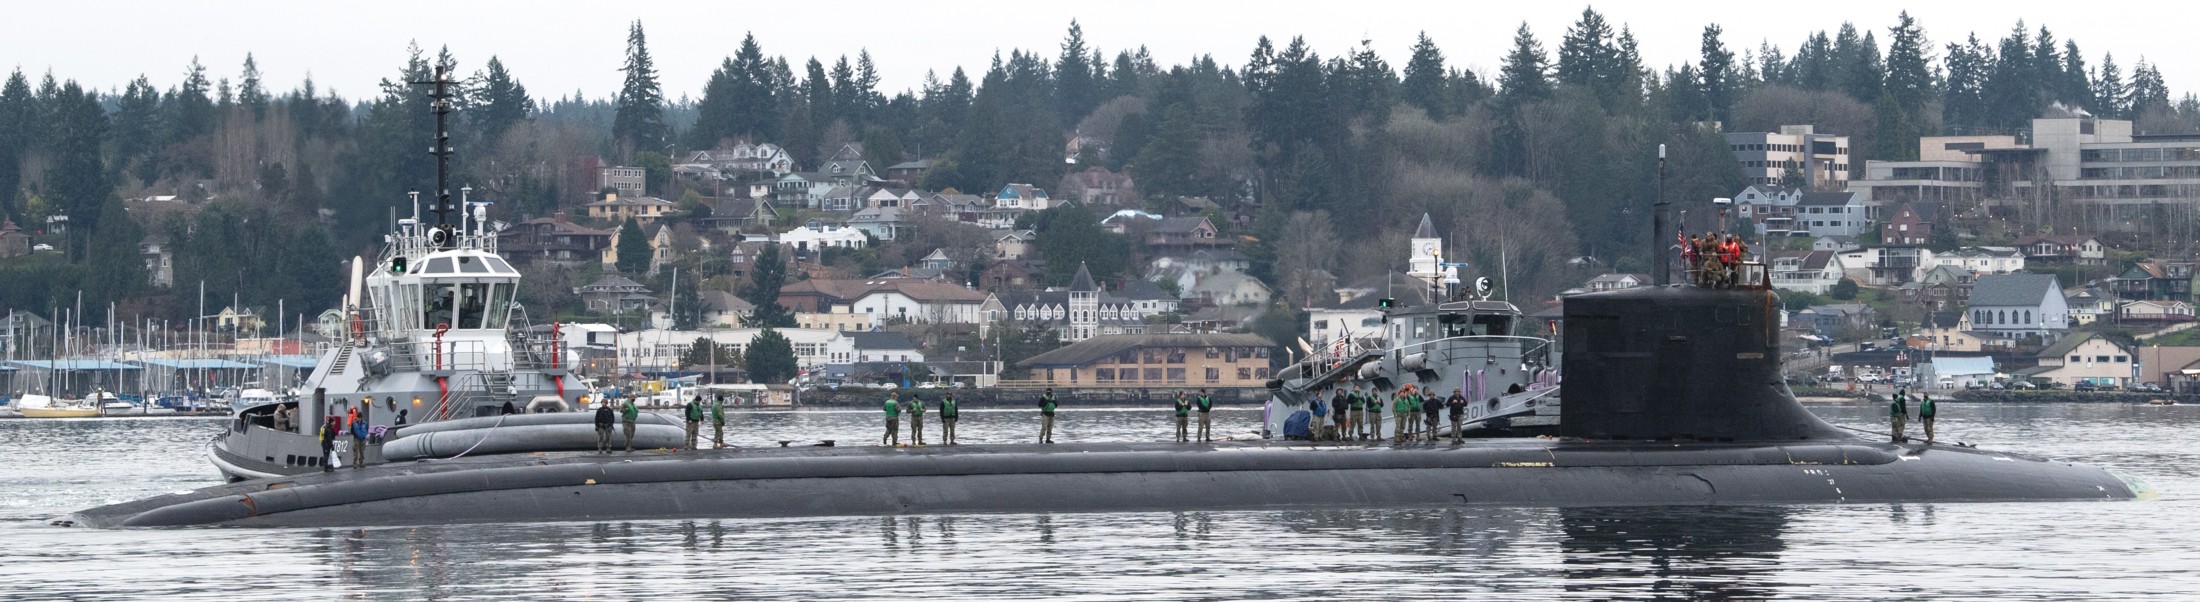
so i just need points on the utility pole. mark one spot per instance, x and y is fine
(1661, 271)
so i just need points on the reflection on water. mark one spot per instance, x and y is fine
(1719, 552)
(2028, 551)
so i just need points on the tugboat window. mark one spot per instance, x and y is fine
(473, 302)
(500, 306)
(439, 306)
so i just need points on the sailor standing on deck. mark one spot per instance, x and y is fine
(1899, 412)
(1206, 417)
(358, 438)
(628, 415)
(694, 419)
(718, 423)
(1431, 407)
(1458, 405)
(1925, 412)
(1183, 417)
(1339, 405)
(916, 419)
(1401, 409)
(604, 418)
(1374, 403)
(1360, 411)
(948, 415)
(329, 431)
(1046, 416)
(893, 422)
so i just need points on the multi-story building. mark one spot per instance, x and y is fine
(2067, 156)
(1833, 214)
(1984, 261)
(622, 179)
(1766, 157)
(553, 239)
(1909, 225)
(1771, 209)
(641, 209)
(1156, 361)
(660, 350)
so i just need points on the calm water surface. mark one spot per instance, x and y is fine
(2007, 551)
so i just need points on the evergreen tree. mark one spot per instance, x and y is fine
(1069, 236)
(1522, 79)
(1373, 87)
(770, 358)
(77, 176)
(249, 92)
(115, 272)
(714, 115)
(1813, 67)
(640, 122)
(762, 289)
(633, 251)
(1965, 107)
(1909, 65)
(1863, 71)
(1716, 74)
(1076, 91)
(500, 102)
(2148, 92)
(1589, 58)
(1423, 85)
(191, 109)
(754, 104)
(2047, 68)
(2013, 91)
(18, 116)
(1168, 162)
(2109, 90)
(1894, 139)
(136, 119)
(2073, 84)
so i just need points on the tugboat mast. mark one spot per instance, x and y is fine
(439, 102)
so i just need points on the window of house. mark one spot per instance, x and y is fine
(1153, 375)
(2101, 358)
(1245, 373)
(2123, 359)
(1176, 375)
(1214, 374)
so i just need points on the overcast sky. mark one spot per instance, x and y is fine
(556, 47)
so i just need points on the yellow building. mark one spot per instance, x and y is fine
(840, 319)
(1155, 360)
(644, 210)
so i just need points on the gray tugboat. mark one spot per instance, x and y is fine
(1446, 340)
(434, 353)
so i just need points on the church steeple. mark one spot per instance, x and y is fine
(1084, 305)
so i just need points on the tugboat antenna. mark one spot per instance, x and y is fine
(439, 102)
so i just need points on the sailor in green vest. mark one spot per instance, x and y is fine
(1373, 401)
(916, 419)
(948, 415)
(1353, 400)
(1183, 417)
(1899, 412)
(1402, 409)
(694, 412)
(892, 437)
(628, 414)
(1925, 412)
(1046, 416)
(718, 422)
(1206, 418)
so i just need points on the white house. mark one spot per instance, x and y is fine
(2159, 311)
(819, 235)
(2014, 305)
(885, 347)
(659, 350)
(1022, 196)
(920, 302)
(1983, 260)
(1617, 282)
(1812, 272)
(1230, 288)
(1768, 208)
(881, 222)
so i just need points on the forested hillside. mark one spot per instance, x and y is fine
(1547, 161)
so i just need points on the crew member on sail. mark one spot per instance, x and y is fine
(1206, 418)
(1898, 411)
(1183, 417)
(948, 415)
(916, 419)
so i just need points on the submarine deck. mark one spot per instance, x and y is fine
(1125, 476)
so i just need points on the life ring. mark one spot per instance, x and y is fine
(358, 327)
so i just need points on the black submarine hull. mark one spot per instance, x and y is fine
(1119, 477)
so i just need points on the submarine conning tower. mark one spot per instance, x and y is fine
(1680, 363)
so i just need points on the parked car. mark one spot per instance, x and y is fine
(2083, 385)
(2023, 385)
(2147, 388)
(41, 247)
